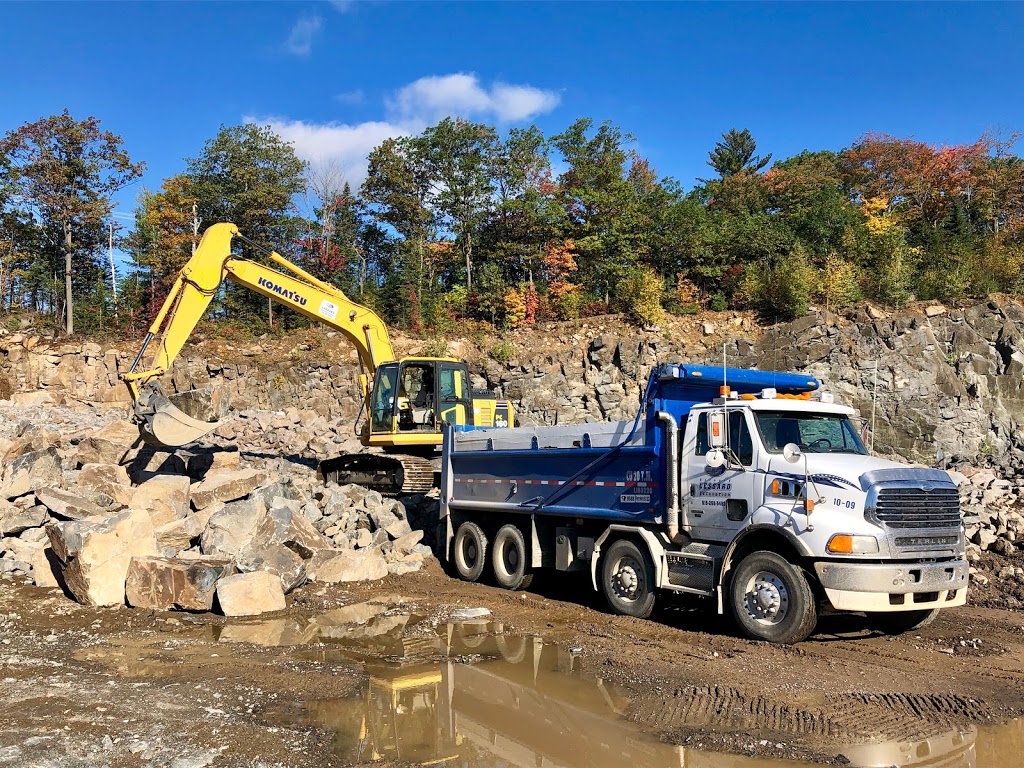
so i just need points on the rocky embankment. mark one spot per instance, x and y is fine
(86, 507)
(934, 385)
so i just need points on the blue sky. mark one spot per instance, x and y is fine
(336, 78)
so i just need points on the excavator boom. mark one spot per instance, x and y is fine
(195, 287)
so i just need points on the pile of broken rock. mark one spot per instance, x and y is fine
(110, 520)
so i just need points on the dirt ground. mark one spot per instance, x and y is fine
(84, 686)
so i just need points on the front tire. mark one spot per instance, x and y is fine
(627, 579)
(771, 599)
(508, 558)
(469, 551)
(898, 622)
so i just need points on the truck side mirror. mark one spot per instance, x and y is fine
(714, 459)
(791, 452)
(716, 429)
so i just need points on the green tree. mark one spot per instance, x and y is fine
(601, 206)
(397, 190)
(165, 235)
(249, 175)
(62, 172)
(734, 154)
(458, 154)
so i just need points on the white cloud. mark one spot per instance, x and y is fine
(342, 6)
(300, 39)
(410, 110)
(430, 99)
(346, 146)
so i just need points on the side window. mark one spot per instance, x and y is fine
(702, 436)
(384, 398)
(739, 438)
(453, 384)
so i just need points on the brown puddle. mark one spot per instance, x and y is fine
(469, 694)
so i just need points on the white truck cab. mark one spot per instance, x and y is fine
(881, 537)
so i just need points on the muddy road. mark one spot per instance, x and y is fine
(393, 673)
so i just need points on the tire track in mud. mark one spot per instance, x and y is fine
(841, 716)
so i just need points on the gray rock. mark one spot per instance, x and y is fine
(14, 520)
(250, 594)
(233, 527)
(30, 471)
(367, 565)
(67, 505)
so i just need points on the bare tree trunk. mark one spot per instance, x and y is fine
(469, 263)
(68, 305)
(195, 227)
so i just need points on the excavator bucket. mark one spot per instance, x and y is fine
(163, 425)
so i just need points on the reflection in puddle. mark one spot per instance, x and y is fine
(524, 703)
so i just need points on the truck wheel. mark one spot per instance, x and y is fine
(508, 558)
(898, 622)
(469, 551)
(627, 579)
(771, 599)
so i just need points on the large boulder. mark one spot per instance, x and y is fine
(96, 553)
(16, 519)
(112, 444)
(164, 584)
(250, 594)
(365, 565)
(226, 486)
(30, 471)
(109, 479)
(211, 461)
(67, 505)
(232, 528)
(276, 559)
(165, 497)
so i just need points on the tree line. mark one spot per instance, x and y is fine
(462, 222)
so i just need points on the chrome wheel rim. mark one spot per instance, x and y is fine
(628, 580)
(766, 598)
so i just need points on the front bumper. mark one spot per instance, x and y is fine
(893, 587)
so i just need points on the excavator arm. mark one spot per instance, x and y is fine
(190, 296)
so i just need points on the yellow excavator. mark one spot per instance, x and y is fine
(406, 401)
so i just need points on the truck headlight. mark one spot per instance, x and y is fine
(847, 544)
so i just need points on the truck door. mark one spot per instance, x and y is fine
(720, 501)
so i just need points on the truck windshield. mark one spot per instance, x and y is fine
(813, 432)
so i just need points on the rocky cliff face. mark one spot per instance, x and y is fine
(940, 386)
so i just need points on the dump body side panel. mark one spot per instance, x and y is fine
(571, 471)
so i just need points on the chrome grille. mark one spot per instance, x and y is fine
(908, 507)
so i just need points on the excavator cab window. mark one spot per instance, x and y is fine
(456, 404)
(417, 397)
(385, 389)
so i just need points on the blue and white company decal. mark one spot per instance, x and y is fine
(833, 481)
(284, 293)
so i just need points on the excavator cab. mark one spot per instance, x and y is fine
(415, 396)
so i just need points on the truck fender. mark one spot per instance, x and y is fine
(655, 545)
(754, 530)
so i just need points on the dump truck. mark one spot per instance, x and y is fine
(405, 400)
(752, 489)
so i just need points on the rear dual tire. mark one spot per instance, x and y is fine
(508, 556)
(469, 551)
(509, 559)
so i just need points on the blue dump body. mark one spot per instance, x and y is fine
(607, 470)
